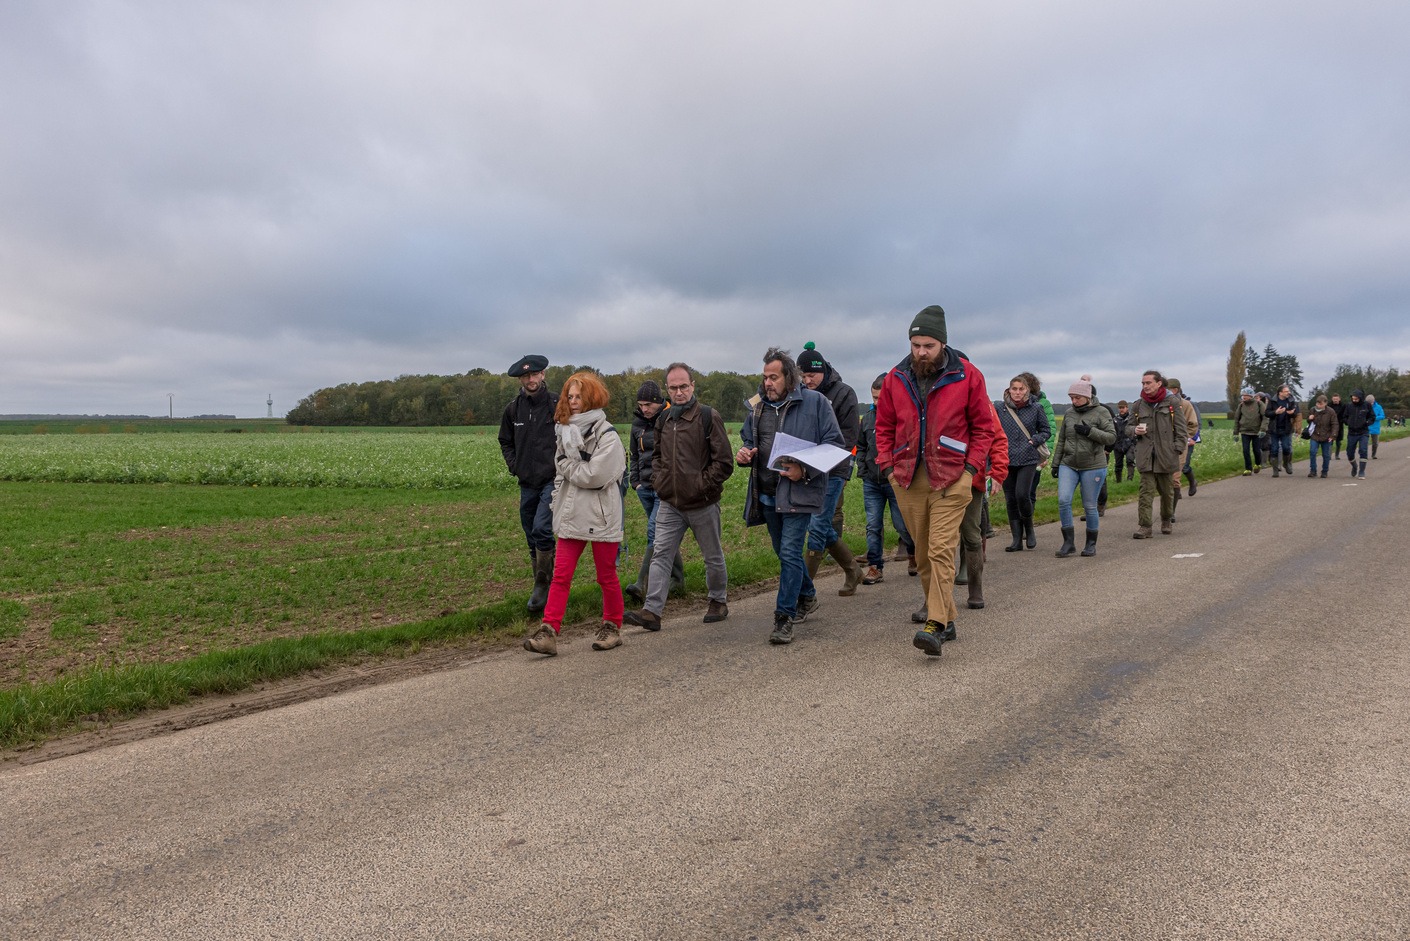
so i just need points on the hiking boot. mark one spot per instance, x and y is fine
(948, 634)
(873, 576)
(783, 629)
(717, 611)
(930, 638)
(608, 636)
(544, 641)
(806, 606)
(643, 618)
(1167, 527)
(911, 567)
(1143, 532)
(634, 592)
(1312, 473)
(919, 615)
(1324, 473)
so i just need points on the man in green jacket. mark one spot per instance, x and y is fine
(1248, 421)
(1158, 424)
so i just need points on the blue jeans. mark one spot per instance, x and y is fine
(536, 516)
(788, 532)
(649, 502)
(876, 497)
(1356, 441)
(1281, 443)
(820, 531)
(1326, 448)
(1091, 483)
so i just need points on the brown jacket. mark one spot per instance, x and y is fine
(1323, 424)
(691, 462)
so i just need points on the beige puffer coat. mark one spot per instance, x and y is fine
(587, 492)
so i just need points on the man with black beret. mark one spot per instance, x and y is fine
(526, 437)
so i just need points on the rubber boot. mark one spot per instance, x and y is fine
(852, 572)
(1068, 546)
(1275, 467)
(640, 588)
(974, 561)
(1028, 531)
(813, 558)
(1090, 549)
(677, 575)
(1015, 527)
(1287, 463)
(543, 574)
(961, 566)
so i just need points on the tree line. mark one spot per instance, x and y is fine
(1267, 370)
(478, 397)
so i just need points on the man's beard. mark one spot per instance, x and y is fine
(924, 368)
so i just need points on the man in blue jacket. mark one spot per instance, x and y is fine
(785, 500)
(1375, 426)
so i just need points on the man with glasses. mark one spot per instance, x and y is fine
(689, 468)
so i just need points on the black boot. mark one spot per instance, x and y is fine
(543, 574)
(974, 561)
(1090, 548)
(1015, 527)
(1068, 547)
(1193, 485)
(961, 568)
(1028, 531)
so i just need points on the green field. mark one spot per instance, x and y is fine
(140, 567)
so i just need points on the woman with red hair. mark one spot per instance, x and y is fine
(587, 509)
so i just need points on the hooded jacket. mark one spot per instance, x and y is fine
(641, 447)
(1161, 449)
(844, 405)
(1248, 418)
(950, 426)
(1359, 414)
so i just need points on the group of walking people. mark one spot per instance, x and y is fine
(929, 450)
(1267, 424)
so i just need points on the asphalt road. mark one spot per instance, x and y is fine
(1132, 746)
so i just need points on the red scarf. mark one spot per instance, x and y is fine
(1156, 399)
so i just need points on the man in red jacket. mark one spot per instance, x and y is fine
(934, 429)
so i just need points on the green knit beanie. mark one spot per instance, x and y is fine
(930, 323)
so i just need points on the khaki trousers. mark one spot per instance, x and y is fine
(1151, 484)
(933, 518)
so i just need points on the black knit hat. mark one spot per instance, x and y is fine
(529, 364)
(810, 360)
(930, 323)
(649, 392)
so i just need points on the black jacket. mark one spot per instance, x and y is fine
(527, 439)
(643, 445)
(1359, 415)
(844, 406)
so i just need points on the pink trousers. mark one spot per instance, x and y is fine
(565, 563)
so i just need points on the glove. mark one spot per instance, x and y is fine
(1082, 428)
(1055, 473)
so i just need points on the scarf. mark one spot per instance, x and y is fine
(1157, 398)
(570, 434)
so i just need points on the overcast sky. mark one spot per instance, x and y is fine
(228, 201)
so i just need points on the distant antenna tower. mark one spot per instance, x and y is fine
(270, 403)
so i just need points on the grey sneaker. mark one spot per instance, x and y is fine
(806, 606)
(608, 636)
(783, 629)
(544, 641)
(717, 611)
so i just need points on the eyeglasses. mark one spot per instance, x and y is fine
(685, 388)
